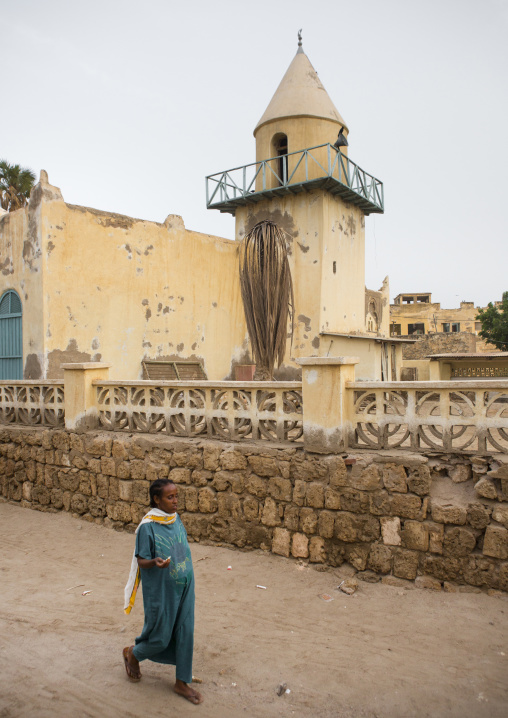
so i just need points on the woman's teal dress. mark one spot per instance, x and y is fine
(168, 598)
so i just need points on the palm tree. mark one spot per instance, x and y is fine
(15, 186)
(267, 294)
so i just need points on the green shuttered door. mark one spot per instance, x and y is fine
(11, 337)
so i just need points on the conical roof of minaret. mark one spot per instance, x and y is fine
(300, 94)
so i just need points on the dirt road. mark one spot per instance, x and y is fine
(384, 652)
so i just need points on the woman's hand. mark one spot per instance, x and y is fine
(161, 563)
(153, 562)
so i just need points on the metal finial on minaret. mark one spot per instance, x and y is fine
(300, 48)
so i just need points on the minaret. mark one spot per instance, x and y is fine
(319, 198)
(300, 114)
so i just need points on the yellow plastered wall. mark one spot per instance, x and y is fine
(421, 365)
(321, 230)
(369, 352)
(343, 267)
(121, 290)
(20, 267)
(96, 286)
(301, 133)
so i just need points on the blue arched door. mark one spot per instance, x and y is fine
(11, 336)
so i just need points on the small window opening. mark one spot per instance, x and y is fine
(451, 327)
(417, 328)
(335, 267)
(281, 151)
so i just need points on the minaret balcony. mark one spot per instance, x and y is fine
(322, 167)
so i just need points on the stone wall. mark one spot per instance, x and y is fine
(440, 343)
(439, 520)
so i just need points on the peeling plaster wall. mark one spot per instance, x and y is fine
(97, 286)
(321, 230)
(343, 291)
(301, 217)
(122, 290)
(117, 289)
(326, 238)
(20, 270)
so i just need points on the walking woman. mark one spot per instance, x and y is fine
(162, 561)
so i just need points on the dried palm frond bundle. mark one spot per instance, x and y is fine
(267, 294)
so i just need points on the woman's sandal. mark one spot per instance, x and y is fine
(131, 675)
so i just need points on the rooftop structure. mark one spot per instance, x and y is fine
(414, 313)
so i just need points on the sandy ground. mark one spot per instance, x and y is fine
(383, 652)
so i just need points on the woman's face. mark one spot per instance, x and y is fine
(168, 500)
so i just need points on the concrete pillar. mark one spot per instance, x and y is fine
(80, 404)
(326, 420)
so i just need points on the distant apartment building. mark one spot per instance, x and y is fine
(416, 314)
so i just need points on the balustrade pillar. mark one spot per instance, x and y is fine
(326, 406)
(80, 402)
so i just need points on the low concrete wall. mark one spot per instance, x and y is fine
(432, 519)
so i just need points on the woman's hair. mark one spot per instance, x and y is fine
(156, 490)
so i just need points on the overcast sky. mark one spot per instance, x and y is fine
(129, 105)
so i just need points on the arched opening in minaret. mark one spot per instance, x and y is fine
(280, 151)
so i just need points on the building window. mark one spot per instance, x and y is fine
(451, 327)
(280, 147)
(11, 336)
(418, 328)
(395, 330)
(408, 300)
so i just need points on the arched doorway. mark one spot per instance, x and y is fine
(11, 336)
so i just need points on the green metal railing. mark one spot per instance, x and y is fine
(320, 166)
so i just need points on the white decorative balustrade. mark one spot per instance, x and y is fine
(447, 416)
(32, 403)
(225, 410)
(443, 416)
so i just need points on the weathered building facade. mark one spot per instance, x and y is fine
(320, 198)
(415, 314)
(96, 286)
